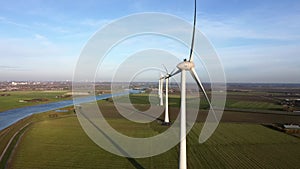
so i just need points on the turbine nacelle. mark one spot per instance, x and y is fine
(186, 65)
(167, 76)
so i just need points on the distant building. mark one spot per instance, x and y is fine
(291, 128)
(18, 83)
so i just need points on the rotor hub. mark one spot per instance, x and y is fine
(186, 65)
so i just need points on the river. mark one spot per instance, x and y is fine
(10, 117)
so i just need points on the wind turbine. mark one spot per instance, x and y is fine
(187, 65)
(167, 76)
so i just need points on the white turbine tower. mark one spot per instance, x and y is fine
(167, 121)
(160, 90)
(187, 65)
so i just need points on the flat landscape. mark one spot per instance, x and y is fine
(61, 143)
(149, 84)
(242, 140)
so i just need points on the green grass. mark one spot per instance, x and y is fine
(247, 100)
(12, 101)
(174, 101)
(62, 144)
(253, 105)
(132, 129)
(246, 146)
(7, 133)
(240, 100)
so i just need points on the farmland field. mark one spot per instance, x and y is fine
(61, 143)
(234, 100)
(7, 134)
(240, 100)
(13, 99)
(239, 142)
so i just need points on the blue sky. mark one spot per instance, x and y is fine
(257, 41)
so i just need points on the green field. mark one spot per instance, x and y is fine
(240, 101)
(13, 100)
(252, 105)
(7, 133)
(61, 144)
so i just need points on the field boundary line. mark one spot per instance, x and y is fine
(263, 111)
(8, 162)
(11, 140)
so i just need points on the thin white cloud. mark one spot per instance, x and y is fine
(43, 40)
(3, 67)
(52, 28)
(5, 20)
(8, 69)
(95, 22)
(40, 37)
(230, 30)
(257, 23)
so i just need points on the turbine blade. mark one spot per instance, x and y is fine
(195, 76)
(211, 122)
(193, 37)
(165, 68)
(175, 73)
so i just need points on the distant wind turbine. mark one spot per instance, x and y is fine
(166, 77)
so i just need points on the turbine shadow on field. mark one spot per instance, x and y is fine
(131, 160)
(151, 115)
(148, 115)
